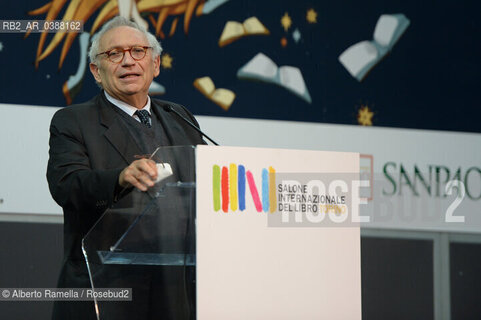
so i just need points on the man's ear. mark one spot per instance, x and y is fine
(94, 69)
(156, 66)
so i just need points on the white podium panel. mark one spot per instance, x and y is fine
(277, 234)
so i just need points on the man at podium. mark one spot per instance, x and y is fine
(93, 145)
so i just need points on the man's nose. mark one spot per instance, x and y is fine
(127, 60)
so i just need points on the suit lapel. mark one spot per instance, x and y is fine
(117, 135)
(174, 131)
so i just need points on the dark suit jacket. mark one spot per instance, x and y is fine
(88, 150)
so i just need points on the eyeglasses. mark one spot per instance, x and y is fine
(117, 54)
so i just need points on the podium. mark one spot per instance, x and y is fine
(233, 233)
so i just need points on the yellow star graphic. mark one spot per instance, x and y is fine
(364, 117)
(166, 61)
(311, 16)
(286, 21)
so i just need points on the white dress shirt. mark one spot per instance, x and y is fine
(127, 108)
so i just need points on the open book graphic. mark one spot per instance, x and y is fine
(361, 57)
(222, 97)
(264, 69)
(234, 30)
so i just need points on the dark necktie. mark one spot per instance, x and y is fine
(144, 117)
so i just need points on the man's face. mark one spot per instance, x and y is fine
(128, 80)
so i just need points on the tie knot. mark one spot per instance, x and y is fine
(143, 116)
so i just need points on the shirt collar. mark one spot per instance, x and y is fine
(127, 108)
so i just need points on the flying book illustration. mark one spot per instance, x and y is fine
(222, 97)
(156, 89)
(234, 30)
(361, 57)
(262, 68)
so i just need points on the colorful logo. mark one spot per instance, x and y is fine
(229, 188)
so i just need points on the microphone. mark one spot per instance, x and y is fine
(169, 108)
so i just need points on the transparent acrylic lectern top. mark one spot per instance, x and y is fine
(147, 242)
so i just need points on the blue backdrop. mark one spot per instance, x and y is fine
(430, 79)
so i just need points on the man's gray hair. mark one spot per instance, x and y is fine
(120, 22)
